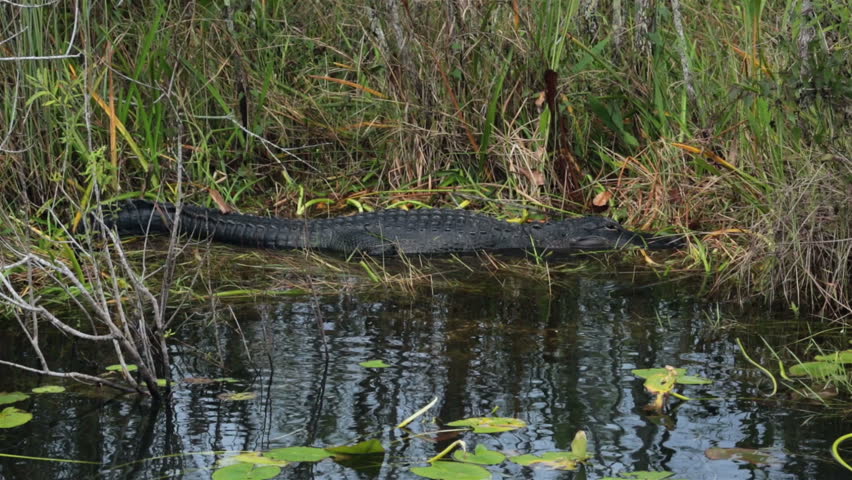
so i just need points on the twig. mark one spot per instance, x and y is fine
(81, 377)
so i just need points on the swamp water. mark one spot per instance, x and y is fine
(557, 355)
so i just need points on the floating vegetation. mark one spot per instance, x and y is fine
(117, 367)
(12, 397)
(560, 460)
(12, 417)
(824, 367)
(299, 454)
(257, 458)
(661, 382)
(452, 471)
(246, 471)
(49, 389)
(749, 455)
(489, 424)
(236, 396)
(374, 364)
(642, 475)
(481, 455)
(367, 447)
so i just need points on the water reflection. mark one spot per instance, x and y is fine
(559, 358)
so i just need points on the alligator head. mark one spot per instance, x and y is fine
(601, 233)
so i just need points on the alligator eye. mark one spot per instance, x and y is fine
(611, 227)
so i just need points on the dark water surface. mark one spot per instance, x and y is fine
(558, 357)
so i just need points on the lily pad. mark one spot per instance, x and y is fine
(226, 380)
(481, 456)
(162, 382)
(816, 369)
(554, 460)
(49, 389)
(257, 458)
(374, 364)
(489, 424)
(12, 397)
(298, 454)
(246, 471)
(750, 455)
(660, 383)
(367, 447)
(844, 356)
(692, 380)
(12, 417)
(647, 372)
(641, 475)
(452, 471)
(236, 396)
(117, 368)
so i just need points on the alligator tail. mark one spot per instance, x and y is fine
(143, 217)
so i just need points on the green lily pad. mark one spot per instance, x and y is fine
(117, 368)
(647, 372)
(660, 383)
(12, 417)
(481, 456)
(641, 475)
(236, 396)
(12, 397)
(226, 380)
(816, 369)
(489, 424)
(298, 454)
(844, 356)
(246, 471)
(554, 460)
(49, 389)
(162, 382)
(692, 380)
(257, 458)
(374, 364)
(750, 455)
(367, 447)
(452, 471)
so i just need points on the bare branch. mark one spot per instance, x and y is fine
(80, 377)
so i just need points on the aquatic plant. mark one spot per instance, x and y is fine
(661, 383)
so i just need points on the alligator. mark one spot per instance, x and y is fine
(385, 232)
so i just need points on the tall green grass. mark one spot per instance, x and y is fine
(281, 103)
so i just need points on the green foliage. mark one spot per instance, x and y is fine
(11, 417)
(117, 367)
(299, 454)
(49, 389)
(367, 447)
(661, 382)
(12, 397)
(246, 471)
(642, 475)
(756, 95)
(489, 424)
(481, 455)
(236, 396)
(374, 364)
(452, 471)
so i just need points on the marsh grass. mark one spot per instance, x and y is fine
(728, 120)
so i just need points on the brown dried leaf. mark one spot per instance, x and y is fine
(602, 199)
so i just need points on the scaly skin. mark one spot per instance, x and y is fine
(385, 232)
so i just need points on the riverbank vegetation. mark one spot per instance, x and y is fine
(727, 121)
